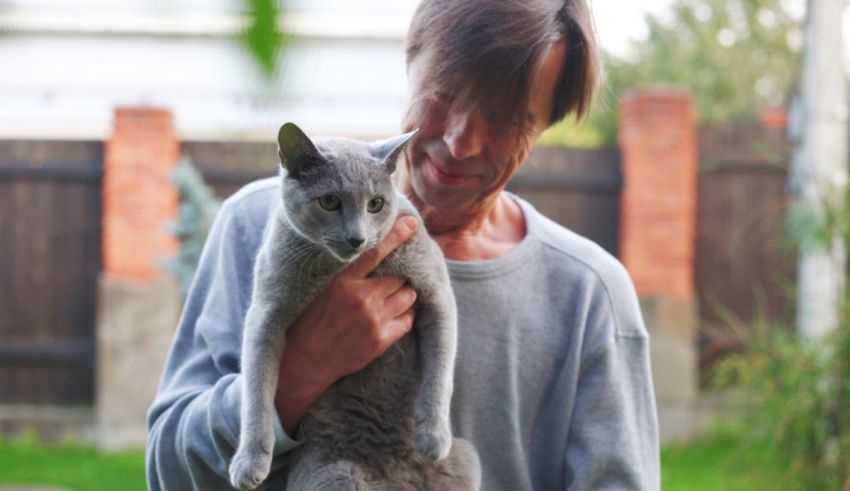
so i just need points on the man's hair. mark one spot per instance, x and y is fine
(485, 52)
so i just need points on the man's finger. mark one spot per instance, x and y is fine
(402, 230)
(388, 285)
(400, 302)
(398, 327)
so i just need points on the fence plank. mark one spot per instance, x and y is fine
(50, 215)
(745, 265)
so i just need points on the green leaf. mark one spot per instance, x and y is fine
(263, 39)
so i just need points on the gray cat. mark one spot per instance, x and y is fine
(386, 426)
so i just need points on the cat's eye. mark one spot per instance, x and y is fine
(330, 202)
(374, 205)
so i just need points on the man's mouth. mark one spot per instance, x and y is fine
(446, 176)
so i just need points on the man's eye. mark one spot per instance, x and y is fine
(329, 202)
(444, 97)
(374, 205)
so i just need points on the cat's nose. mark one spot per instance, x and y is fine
(355, 241)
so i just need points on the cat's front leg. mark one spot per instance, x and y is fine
(437, 324)
(261, 352)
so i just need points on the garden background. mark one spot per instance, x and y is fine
(125, 123)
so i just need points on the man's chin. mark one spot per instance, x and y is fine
(444, 200)
(451, 201)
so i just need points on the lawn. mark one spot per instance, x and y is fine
(722, 462)
(717, 463)
(75, 467)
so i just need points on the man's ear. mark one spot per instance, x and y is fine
(296, 151)
(389, 150)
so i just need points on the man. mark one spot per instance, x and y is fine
(552, 379)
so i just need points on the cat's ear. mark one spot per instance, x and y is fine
(389, 150)
(296, 151)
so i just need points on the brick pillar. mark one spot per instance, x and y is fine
(658, 141)
(140, 203)
(138, 301)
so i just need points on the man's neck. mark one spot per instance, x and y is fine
(493, 229)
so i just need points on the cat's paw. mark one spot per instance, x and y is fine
(433, 438)
(249, 469)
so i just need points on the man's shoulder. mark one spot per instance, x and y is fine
(259, 193)
(243, 216)
(571, 246)
(252, 204)
(586, 262)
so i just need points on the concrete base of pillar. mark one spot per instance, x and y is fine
(672, 329)
(135, 327)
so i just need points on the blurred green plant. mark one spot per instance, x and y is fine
(263, 38)
(734, 56)
(198, 208)
(796, 392)
(796, 395)
(818, 227)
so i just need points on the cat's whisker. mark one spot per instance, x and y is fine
(309, 254)
(298, 253)
(311, 260)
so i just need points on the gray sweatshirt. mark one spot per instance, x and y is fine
(552, 381)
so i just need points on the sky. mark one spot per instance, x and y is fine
(617, 21)
(620, 22)
(34, 86)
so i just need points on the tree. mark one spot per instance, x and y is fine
(734, 56)
(819, 171)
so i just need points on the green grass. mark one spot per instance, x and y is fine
(72, 466)
(720, 462)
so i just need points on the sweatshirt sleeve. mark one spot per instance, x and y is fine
(613, 441)
(193, 423)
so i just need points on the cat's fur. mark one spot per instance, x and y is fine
(386, 426)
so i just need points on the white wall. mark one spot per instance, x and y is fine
(67, 63)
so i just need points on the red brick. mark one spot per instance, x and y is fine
(658, 140)
(140, 202)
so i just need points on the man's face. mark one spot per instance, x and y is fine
(458, 159)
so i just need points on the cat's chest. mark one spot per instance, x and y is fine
(409, 260)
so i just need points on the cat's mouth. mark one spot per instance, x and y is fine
(344, 252)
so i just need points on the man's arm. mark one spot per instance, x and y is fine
(322, 345)
(193, 424)
(613, 442)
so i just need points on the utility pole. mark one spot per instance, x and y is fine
(819, 169)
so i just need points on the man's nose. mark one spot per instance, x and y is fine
(465, 134)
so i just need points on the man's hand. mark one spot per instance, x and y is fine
(346, 326)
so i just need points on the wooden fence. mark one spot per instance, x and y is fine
(746, 262)
(50, 227)
(577, 188)
(50, 209)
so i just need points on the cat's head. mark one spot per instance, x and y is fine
(338, 192)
